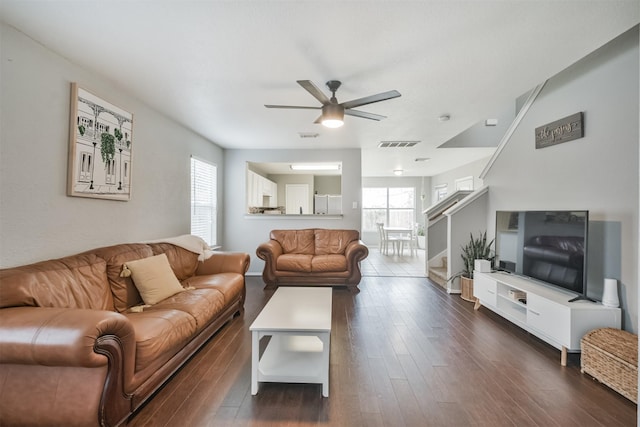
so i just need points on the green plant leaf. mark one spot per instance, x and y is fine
(477, 248)
(107, 147)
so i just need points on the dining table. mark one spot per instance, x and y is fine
(398, 236)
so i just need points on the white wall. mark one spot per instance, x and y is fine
(327, 184)
(461, 225)
(598, 172)
(37, 220)
(245, 232)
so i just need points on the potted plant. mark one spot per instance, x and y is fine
(477, 248)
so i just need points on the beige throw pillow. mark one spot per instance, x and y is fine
(154, 278)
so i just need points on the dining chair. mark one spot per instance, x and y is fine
(384, 240)
(414, 239)
(409, 240)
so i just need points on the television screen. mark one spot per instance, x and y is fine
(550, 246)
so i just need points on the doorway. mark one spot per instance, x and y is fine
(297, 199)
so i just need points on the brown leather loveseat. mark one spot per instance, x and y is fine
(313, 256)
(80, 347)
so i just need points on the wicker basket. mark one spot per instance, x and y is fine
(611, 357)
(466, 289)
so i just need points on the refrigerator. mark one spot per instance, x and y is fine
(327, 204)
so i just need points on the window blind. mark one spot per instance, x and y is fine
(204, 200)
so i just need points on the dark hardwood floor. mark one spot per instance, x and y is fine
(403, 353)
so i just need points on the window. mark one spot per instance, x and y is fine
(441, 192)
(102, 128)
(465, 183)
(395, 207)
(85, 167)
(110, 171)
(204, 200)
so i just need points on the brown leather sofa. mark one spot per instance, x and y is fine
(78, 347)
(314, 256)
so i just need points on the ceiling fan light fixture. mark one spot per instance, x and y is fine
(332, 115)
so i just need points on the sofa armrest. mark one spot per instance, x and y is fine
(224, 262)
(269, 253)
(61, 336)
(356, 251)
(50, 338)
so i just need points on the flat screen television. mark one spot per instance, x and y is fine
(549, 246)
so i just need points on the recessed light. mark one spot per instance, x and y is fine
(397, 172)
(491, 122)
(422, 159)
(444, 118)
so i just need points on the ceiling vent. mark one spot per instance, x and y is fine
(308, 134)
(397, 144)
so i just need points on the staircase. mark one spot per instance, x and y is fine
(449, 223)
(435, 212)
(437, 238)
(438, 274)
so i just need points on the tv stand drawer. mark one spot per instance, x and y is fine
(485, 289)
(551, 319)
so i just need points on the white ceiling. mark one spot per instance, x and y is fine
(212, 65)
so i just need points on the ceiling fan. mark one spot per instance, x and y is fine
(332, 112)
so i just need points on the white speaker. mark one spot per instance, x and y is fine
(610, 293)
(482, 265)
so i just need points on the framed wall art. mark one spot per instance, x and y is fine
(100, 146)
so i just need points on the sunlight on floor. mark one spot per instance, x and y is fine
(378, 264)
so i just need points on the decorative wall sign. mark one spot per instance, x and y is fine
(563, 130)
(100, 142)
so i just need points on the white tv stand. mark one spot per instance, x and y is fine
(547, 313)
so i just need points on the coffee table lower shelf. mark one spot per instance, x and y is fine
(292, 358)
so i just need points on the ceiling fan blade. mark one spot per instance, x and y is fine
(364, 115)
(313, 90)
(371, 99)
(318, 120)
(299, 107)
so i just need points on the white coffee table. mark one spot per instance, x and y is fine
(298, 319)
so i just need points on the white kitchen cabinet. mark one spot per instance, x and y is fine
(261, 192)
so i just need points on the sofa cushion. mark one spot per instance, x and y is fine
(328, 241)
(160, 333)
(294, 262)
(230, 285)
(295, 241)
(328, 263)
(201, 304)
(124, 292)
(154, 278)
(78, 281)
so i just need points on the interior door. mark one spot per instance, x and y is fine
(297, 199)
